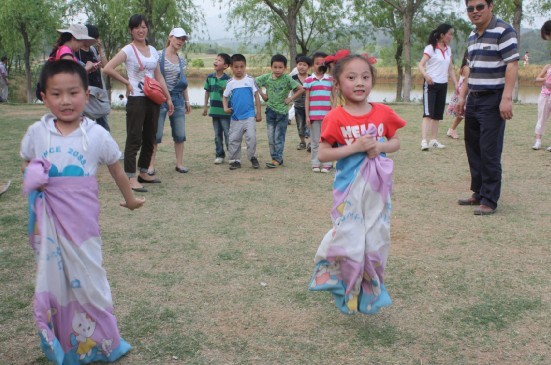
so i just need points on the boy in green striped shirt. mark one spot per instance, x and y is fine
(214, 87)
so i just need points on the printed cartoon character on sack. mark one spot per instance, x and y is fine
(84, 327)
(327, 275)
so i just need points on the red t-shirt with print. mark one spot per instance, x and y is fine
(341, 128)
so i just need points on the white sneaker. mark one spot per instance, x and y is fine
(218, 160)
(434, 143)
(536, 145)
(548, 149)
(424, 145)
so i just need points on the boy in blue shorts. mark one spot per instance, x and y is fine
(214, 86)
(242, 94)
(278, 85)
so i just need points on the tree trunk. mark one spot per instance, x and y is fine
(408, 20)
(27, 59)
(148, 13)
(399, 70)
(292, 21)
(517, 18)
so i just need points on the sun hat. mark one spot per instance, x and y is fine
(178, 33)
(79, 31)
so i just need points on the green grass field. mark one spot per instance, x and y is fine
(186, 269)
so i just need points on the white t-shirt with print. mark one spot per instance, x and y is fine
(77, 154)
(135, 74)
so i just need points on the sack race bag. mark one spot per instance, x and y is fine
(98, 103)
(151, 88)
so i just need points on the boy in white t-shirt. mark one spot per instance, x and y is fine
(241, 99)
(61, 154)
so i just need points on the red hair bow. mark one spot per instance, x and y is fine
(370, 60)
(337, 56)
(345, 53)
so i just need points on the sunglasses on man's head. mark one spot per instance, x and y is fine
(478, 7)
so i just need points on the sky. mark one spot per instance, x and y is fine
(216, 20)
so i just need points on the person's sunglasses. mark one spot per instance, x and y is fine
(478, 7)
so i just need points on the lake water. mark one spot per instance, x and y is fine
(381, 93)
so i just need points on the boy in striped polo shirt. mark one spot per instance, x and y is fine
(214, 86)
(318, 102)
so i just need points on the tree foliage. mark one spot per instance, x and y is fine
(26, 24)
(293, 24)
(111, 17)
(391, 18)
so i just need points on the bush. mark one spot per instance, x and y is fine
(197, 63)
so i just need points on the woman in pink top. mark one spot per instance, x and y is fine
(70, 40)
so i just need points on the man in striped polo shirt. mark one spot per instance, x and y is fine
(492, 71)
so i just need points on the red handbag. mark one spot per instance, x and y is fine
(151, 88)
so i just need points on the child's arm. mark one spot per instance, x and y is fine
(263, 95)
(131, 202)
(206, 107)
(365, 144)
(541, 77)
(258, 107)
(298, 91)
(307, 107)
(421, 66)
(460, 106)
(110, 70)
(225, 105)
(260, 83)
(24, 166)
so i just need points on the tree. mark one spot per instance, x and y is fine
(291, 23)
(281, 12)
(111, 18)
(313, 33)
(407, 9)
(26, 28)
(387, 19)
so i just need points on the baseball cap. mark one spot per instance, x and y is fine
(79, 31)
(178, 33)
